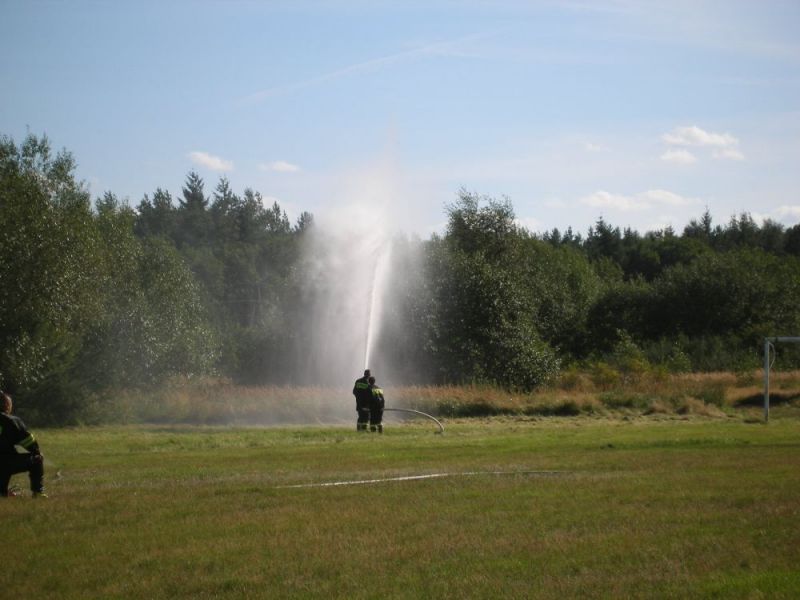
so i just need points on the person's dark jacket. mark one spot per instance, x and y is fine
(362, 392)
(376, 398)
(14, 433)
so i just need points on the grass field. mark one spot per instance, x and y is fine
(644, 507)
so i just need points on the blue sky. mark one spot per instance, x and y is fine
(644, 113)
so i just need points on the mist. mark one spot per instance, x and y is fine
(360, 272)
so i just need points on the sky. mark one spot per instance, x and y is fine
(643, 113)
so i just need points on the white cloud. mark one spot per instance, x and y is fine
(787, 214)
(694, 136)
(209, 161)
(724, 145)
(280, 166)
(679, 156)
(603, 199)
(637, 202)
(661, 224)
(665, 197)
(729, 153)
(592, 147)
(528, 223)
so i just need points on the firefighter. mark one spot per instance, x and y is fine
(375, 407)
(14, 433)
(363, 396)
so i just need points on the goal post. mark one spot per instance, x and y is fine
(769, 348)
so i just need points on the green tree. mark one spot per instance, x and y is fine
(482, 326)
(792, 240)
(604, 241)
(194, 222)
(152, 324)
(156, 217)
(701, 230)
(747, 292)
(622, 309)
(48, 270)
(561, 286)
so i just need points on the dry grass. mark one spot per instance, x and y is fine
(713, 395)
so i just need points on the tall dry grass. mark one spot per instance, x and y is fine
(575, 393)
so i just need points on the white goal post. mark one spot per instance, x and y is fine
(769, 346)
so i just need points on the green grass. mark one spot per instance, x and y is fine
(635, 508)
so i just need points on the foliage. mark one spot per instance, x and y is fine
(484, 327)
(746, 291)
(86, 305)
(49, 273)
(98, 298)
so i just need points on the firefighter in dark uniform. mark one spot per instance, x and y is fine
(376, 405)
(14, 433)
(363, 397)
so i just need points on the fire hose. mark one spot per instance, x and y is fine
(419, 412)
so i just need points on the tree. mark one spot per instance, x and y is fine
(223, 211)
(740, 232)
(472, 229)
(622, 309)
(194, 223)
(304, 221)
(193, 196)
(792, 240)
(604, 241)
(482, 325)
(49, 270)
(152, 324)
(700, 230)
(87, 306)
(562, 287)
(747, 292)
(156, 217)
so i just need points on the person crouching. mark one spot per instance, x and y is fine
(14, 433)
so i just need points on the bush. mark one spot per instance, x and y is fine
(603, 375)
(713, 394)
(624, 400)
(693, 406)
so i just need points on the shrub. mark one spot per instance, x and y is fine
(659, 406)
(574, 380)
(563, 408)
(603, 375)
(693, 406)
(713, 394)
(623, 400)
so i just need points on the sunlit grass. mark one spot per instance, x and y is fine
(637, 508)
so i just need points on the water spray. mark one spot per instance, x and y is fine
(379, 279)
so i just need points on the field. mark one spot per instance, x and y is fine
(613, 506)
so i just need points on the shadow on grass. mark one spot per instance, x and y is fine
(775, 399)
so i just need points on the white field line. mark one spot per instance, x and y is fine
(417, 477)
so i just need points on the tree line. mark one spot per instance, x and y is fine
(99, 296)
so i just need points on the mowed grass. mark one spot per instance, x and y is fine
(533, 508)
